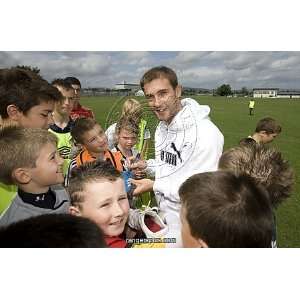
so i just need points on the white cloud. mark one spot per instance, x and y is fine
(206, 69)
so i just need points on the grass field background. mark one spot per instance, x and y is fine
(231, 115)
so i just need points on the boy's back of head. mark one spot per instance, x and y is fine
(133, 108)
(268, 125)
(52, 231)
(24, 89)
(225, 210)
(19, 148)
(265, 165)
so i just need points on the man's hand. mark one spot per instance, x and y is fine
(136, 164)
(138, 167)
(142, 186)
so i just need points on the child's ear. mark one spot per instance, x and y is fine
(73, 210)
(13, 112)
(21, 175)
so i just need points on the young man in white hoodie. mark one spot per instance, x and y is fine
(186, 143)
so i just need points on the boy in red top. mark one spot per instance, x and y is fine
(97, 192)
(78, 111)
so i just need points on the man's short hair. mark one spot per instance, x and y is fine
(59, 82)
(20, 147)
(81, 126)
(227, 211)
(24, 89)
(159, 72)
(269, 125)
(86, 173)
(73, 80)
(52, 231)
(265, 165)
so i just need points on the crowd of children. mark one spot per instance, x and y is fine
(58, 166)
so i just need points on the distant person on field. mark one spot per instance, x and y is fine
(26, 100)
(52, 231)
(97, 192)
(29, 159)
(78, 110)
(267, 167)
(224, 210)
(267, 129)
(132, 109)
(251, 106)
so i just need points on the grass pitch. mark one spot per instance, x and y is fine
(231, 115)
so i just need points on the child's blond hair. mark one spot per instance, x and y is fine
(265, 165)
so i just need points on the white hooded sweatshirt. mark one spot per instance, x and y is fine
(190, 144)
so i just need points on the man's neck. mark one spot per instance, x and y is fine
(61, 120)
(76, 105)
(178, 109)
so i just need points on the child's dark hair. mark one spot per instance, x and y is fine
(52, 231)
(80, 127)
(86, 173)
(225, 210)
(73, 80)
(62, 83)
(269, 125)
(24, 89)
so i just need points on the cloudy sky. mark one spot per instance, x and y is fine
(195, 69)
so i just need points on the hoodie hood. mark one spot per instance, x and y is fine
(191, 113)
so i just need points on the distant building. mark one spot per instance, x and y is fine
(275, 93)
(288, 94)
(133, 87)
(265, 92)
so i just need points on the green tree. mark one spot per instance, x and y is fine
(245, 91)
(29, 68)
(224, 90)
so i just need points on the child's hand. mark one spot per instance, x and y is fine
(134, 164)
(142, 186)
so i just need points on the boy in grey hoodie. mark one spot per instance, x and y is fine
(29, 159)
